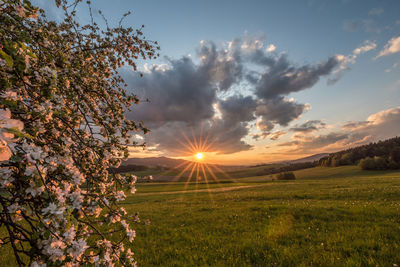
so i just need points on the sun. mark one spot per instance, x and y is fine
(199, 156)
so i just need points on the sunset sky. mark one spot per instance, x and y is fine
(264, 80)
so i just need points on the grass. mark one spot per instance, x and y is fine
(181, 173)
(326, 217)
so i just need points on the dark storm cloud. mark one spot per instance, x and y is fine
(282, 78)
(223, 135)
(238, 108)
(227, 136)
(308, 126)
(279, 110)
(223, 67)
(185, 95)
(183, 92)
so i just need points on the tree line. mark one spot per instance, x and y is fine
(381, 155)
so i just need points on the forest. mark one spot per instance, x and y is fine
(381, 155)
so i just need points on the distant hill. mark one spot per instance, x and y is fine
(155, 162)
(170, 163)
(311, 158)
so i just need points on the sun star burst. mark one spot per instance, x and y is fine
(199, 156)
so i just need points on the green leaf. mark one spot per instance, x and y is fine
(7, 58)
(18, 133)
(47, 234)
(9, 103)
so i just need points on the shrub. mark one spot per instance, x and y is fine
(392, 165)
(376, 163)
(285, 176)
(367, 164)
(395, 154)
(380, 163)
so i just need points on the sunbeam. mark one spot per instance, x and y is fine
(198, 171)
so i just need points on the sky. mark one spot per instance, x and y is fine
(252, 82)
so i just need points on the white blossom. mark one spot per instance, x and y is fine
(77, 199)
(38, 264)
(34, 190)
(53, 209)
(13, 208)
(69, 235)
(120, 196)
(5, 177)
(78, 248)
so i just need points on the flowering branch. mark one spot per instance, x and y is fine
(62, 128)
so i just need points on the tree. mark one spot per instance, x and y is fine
(346, 159)
(367, 164)
(62, 126)
(380, 163)
(285, 176)
(395, 154)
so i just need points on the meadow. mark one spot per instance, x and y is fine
(326, 217)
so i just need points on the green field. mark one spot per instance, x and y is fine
(327, 217)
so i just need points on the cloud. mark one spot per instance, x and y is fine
(271, 48)
(184, 92)
(265, 126)
(182, 99)
(307, 143)
(346, 61)
(223, 66)
(367, 25)
(379, 126)
(282, 78)
(353, 125)
(279, 110)
(394, 66)
(376, 11)
(365, 47)
(238, 108)
(276, 135)
(386, 118)
(218, 135)
(197, 96)
(392, 47)
(309, 126)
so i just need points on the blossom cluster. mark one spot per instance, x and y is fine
(62, 127)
